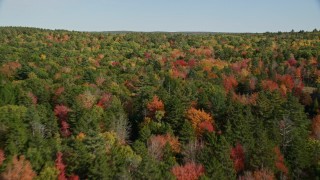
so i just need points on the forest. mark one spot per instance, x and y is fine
(97, 105)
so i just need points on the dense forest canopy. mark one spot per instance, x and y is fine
(80, 105)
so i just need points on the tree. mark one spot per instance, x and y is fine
(2, 156)
(19, 168)
(15, 133)
(61, 111)
(7, 93)
(155, 105)
(229, 83)
(316, 127)
(264, 174)
(262, 155)
(105, 100)
(237, 155)
(280, 165)
(48, 173)
(200, 120)
(215, 157)
(60, 167)
(157, 144)
(190, 171)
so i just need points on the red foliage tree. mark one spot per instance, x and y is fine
(206, 126)
(287, 80)
(155, 105)
(105, 100)
(269, 85)
(191, 63)
(237, 155)
(179, 72)
(2, 157)
(180, 63)
(229, 83)
(115, 63)
(74, 177)
(189, 171)
(60, 167)
(280, 161)
(61, 111)
(65, 129)
(292, 62)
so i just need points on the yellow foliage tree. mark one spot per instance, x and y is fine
(196, 117)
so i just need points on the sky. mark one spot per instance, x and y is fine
(163, 15)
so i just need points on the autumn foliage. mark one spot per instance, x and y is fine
(190, 171)
(105, 100)
(280, 161)
(10, 68)
(2, 156)
(269, 85)
(316, 127)
(237, 155)
(157, 143)
(200, 120)
(229, 83)
(206, 126)
(19, 168)
(155, 105)
(65, 128)
(60, 167)
(262, 174)
(87, 100)
(134, 105)
(61, 111)
(74, 177)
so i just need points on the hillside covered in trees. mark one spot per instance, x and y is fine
(79, 105)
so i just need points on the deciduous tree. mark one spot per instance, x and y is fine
(190, 171)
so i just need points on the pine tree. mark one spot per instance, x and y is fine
(215, 157)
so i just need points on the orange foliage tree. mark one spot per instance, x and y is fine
(2, 156)
(157, 143)
(229, 83)
(155, 105)
(200, 120)
(105, 100)
(269, 85)
(316, 127)
(20, 168)
(189, 171)
(280, 161)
